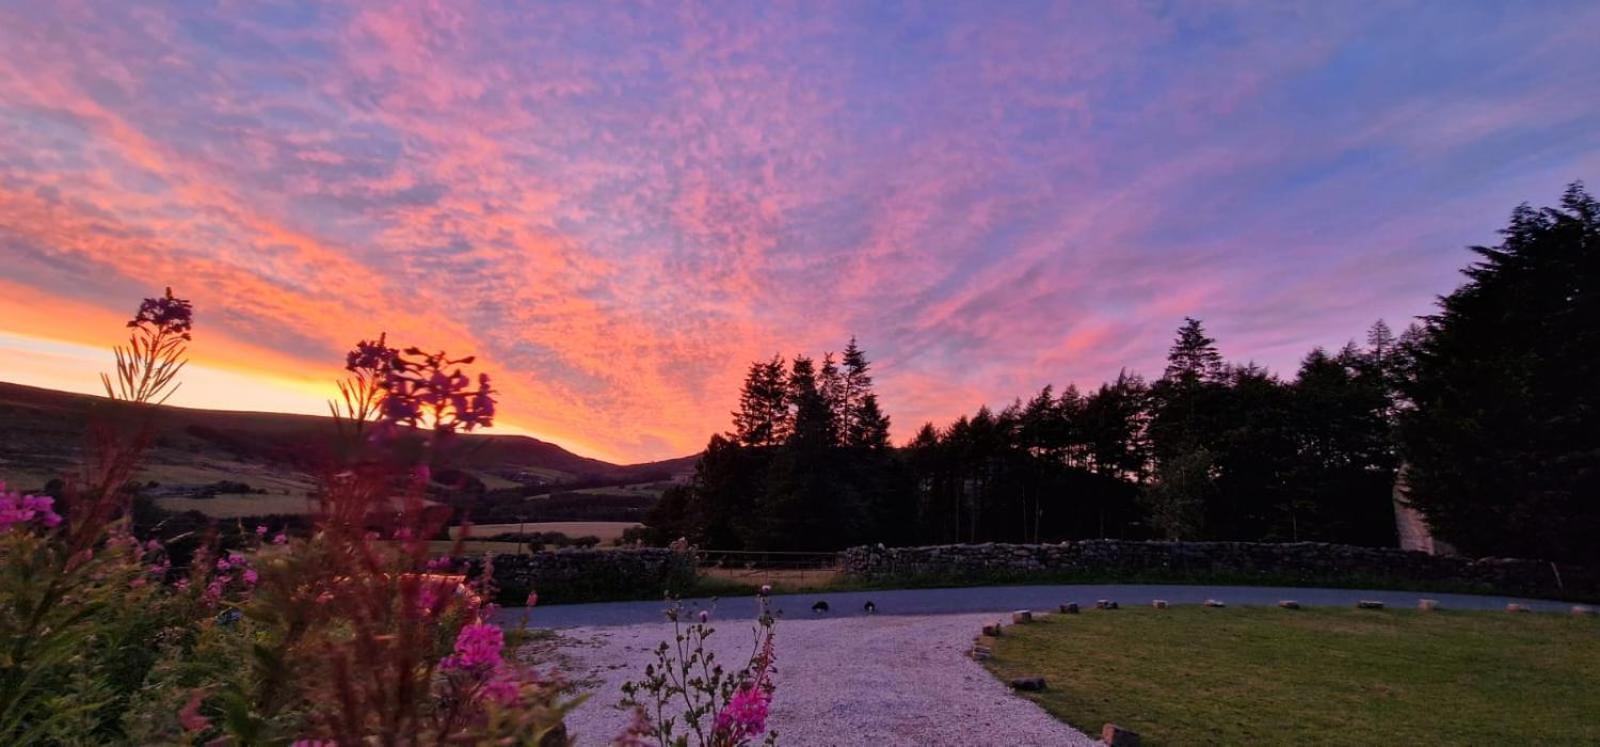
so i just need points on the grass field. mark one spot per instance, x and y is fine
(1191, 675)
(605, 530)
(233, 506)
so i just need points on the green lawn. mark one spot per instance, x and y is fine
(1190, 675)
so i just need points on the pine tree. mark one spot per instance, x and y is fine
(831, 385)
(869, 428)
(763, 415)
(814, 424)
(1502, 445)
(1193, 358)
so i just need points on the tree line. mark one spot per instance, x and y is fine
(1487, 406)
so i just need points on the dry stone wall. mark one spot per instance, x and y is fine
(578, 575)
(1294, 562)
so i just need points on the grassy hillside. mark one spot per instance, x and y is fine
(244, 463)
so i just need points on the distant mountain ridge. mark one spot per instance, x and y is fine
(44, 429)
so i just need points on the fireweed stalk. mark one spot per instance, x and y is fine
(347, 635)
(78, 601)
(355, 635)
(718, 708)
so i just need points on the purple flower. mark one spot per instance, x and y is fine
(371, 355)
(168, 314)
(477, 649)
(16, 508)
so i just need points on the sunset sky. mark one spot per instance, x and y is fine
(617, 208)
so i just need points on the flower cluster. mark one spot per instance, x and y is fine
(721, 708)
(430, 388)
(166, 315)
(477, 661)
(745, 715)
(371, 355)
(16, 508)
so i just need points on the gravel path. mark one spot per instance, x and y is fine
(883, 680)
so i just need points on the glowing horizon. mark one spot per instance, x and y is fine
(618, 209)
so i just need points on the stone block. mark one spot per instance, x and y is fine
(1514, 607)
(1369, 604)
(1578, 609)
(1116, 736)
(1289, 604)
(1028, 684)
(1070, 608)
(1159, 604)
(1022, 616)
(992, 630)
(1215, 603)
(1427, 605)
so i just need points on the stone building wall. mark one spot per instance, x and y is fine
(1296, 562)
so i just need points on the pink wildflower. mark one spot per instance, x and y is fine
(16, 508)
(189, 716)
(477, 649)
(533, 599)
(502, 690)
(280, 538)
(250, 576)
(261, 530)
(745, 715)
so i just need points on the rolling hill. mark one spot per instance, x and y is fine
(273, 454)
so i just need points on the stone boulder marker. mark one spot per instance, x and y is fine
(1215, 603)
(1581, 610)
(1028, 684)
(1514, 607)
(1070, 608)
(1289, 604)
(1116, 736)
(1427, 605)
(992, 630)
(1021, 617)
(1159, 604)
(1369, 604)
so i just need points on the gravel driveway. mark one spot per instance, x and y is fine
(882, 680)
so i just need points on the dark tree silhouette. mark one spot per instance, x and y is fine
(1503, 443)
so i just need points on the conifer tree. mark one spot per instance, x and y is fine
(1502, 443)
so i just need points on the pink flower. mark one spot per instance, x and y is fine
(16, 508)
(477, 648)
(261, 530)
(502, 690)
(189, 716)
(250, 576)
(533, 599)
(280, 538)
(745, 715)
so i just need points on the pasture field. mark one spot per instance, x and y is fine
(1254, 675)
(605, 530)
(236, 505)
